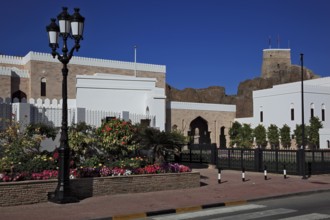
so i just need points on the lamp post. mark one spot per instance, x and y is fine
(302, 150)
(69, 27)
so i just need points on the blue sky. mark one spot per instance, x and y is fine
(202, 42)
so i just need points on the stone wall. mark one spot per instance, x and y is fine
(216, 119)
(29, 192)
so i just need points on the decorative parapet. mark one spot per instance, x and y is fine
(83, 61)
(11, 60)
(14, 72)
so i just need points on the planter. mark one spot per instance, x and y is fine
(29, 192)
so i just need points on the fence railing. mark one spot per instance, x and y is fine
(315, 161)
(256, 160)
(197, 153)
(50, 112)
(50, 115)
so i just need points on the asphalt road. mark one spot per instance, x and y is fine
(313, 206)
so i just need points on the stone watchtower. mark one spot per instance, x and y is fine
(275, 62)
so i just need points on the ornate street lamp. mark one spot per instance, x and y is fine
(69, 27)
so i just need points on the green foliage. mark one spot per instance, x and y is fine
(82, 142)
(245, 136)
(259, 133)
(18, 147)
(92, 161)
(234, 133)
(42, 129)
(161, 142)
(130, 163)
(273, 136)
(313, 134)
(285, 136)
(117, 137)
(38, 132)
(38, 163)
(298, 135)
(241, 135)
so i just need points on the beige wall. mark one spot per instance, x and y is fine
(53, 74)
(182, 119)
(5, 88)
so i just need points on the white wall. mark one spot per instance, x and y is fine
(119, 93)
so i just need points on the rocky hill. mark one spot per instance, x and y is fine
(243, 99)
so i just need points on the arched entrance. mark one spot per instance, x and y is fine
(223, 141)
(18, 95)
(199, 132)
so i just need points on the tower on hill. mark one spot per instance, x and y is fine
(275, 62)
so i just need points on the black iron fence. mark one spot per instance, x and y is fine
(199, 153)
(295, 162)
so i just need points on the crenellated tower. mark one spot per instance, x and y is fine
(275, 62)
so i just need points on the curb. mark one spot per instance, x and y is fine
(201, 207)
(173, 211)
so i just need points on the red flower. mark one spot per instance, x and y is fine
(55, 154)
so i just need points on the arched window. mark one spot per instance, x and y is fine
(261, 114)
(323, 112)
(292, 111)
(312, 110)
(43, 87)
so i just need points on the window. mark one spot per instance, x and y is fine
(312, 110)
(292, 112)
(323, 112)
(43, 87)
(261, 116)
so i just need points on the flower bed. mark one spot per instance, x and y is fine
(101, 171)
(36, 191)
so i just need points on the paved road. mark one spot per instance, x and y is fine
(309, 207)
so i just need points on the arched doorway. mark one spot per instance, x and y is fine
(18, 95)
(223, 141)
(199, 132)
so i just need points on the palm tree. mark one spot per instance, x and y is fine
(161, 142)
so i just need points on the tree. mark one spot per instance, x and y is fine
(161, 142)
(116, 138)
(285, 136)
(245, 136)
(82, 142)
(20, 146)
(234, 133)
(298, 135)
(273, 136)
(313, 134)
(259, 133)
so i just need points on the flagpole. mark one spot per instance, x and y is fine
(135, 60)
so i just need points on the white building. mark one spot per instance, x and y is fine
(282, 105)
(122, 93)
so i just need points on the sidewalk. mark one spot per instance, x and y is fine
(231, 191)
